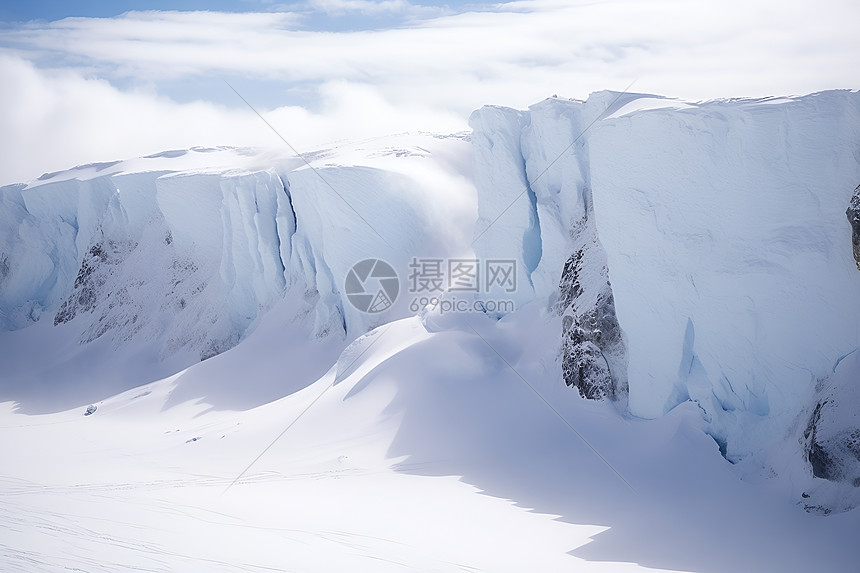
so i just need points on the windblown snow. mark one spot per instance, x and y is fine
(679, 374)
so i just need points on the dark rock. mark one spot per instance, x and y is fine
(819, 509)
(822, 462)
(593, 350)
(853, 213)
(4, 268)
(832, 450)
(91, 278)
(586, 368)
(831, 438)
(853, 443)
(91, 409)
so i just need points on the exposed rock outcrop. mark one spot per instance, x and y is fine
(831, 440)
(593, 351)
(822, 462)
(853, 213)
(91, 278)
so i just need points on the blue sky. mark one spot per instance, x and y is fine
(57, 9)
(315, 19)
(118, 82)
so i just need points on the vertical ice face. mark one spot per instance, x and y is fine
(46, 231)
(227, 223)
(573, 263)
(535, 206)
(556, 161)
(720, 226)
(507, 226)
(725, 232)
(229, 226)
(190, 258)
(26, 268)
(347, 214)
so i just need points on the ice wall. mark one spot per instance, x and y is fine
(693, 251)
(188, 258)
(507, 225)
(536, 207)
(165, 249)
(45, 231)
(723, 228)
(730, 253)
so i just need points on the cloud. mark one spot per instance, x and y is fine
(366, 7)
(688, 49)
(429, 70)
(53, 120)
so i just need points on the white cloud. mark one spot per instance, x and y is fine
(689, 49)
(416, 74)
(367, 7)
(55, 120)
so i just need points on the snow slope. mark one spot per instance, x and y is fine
(415, 451)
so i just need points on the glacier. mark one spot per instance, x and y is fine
(685, 253)
(166, 245)
(721, 229)
(173, 258)
(734, 264)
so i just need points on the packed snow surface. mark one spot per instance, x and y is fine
(416, 451)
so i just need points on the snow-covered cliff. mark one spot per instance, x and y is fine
(186, 249)
(687, 252)
(722, 229)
